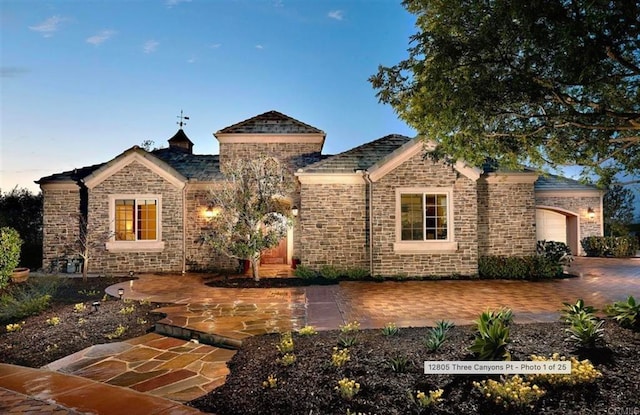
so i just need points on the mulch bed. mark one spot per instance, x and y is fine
(39, 343)
(307, 386)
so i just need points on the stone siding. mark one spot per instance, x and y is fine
(417, 172)
(200, 256)
(333, 225)
(579, 206)
(506, 218)
(136, 179)
(60, 227)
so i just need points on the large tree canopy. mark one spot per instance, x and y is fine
(545, 82)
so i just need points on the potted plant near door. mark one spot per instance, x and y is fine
(10, 244)
(295, 261)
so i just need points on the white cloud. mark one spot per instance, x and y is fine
(49, 26)
(278, 3)
(150, 46)
(259, 47)
(101, 37)
(171, 3)
(215, 45)
(336, 14)
(191, 60)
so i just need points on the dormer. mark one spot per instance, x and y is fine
(271, 134)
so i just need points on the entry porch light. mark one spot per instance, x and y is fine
(591, 214)
(294, 211)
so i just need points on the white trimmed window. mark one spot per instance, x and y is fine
(424, 220)
(135, 223)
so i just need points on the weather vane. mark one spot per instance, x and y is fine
(182, 119)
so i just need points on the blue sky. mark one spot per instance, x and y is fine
(84, 80)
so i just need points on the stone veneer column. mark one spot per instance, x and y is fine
(506, 215)
(60, 222)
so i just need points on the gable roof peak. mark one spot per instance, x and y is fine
(270, 122)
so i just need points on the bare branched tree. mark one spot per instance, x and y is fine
(251, 210)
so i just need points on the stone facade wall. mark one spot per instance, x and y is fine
(136, 179)
(200, 256)
(506, 218)
(578, 205)
(417, 172)
(333, 225)
(61, 224)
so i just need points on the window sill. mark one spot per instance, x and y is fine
(426, 247)
(135, 246)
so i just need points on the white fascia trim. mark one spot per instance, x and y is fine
(424, 247)
(513, 177)
(569, 193)
(386, 165)
(230, 138)
(60, 186)
(116, 165)
(330, 178)
(410, 149)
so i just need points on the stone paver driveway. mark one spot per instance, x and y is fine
(420, 303)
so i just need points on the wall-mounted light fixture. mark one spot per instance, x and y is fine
(591, 214)
(211, 212)
(294, 211)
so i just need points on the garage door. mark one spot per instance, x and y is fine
(551, 226)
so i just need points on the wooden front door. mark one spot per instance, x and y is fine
(276, 255)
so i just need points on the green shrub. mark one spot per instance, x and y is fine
(330, 272)
(558, 252)
(356, 273)
(437, 335)
(398, 364)
(615, 246)
(570, 311)
(626, 313)
(492, 335)
(582, 372)
(305, 272)
(529, 267)
(585, 330)
(510, 393)
(10, 244)
(28, 299)
(390, 329)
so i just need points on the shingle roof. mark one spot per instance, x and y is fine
(553, 182)
(74, 175)
(359, 158)
(271, 122)
(199, 167)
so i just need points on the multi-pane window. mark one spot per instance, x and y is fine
(136, 219)
(424, 217)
